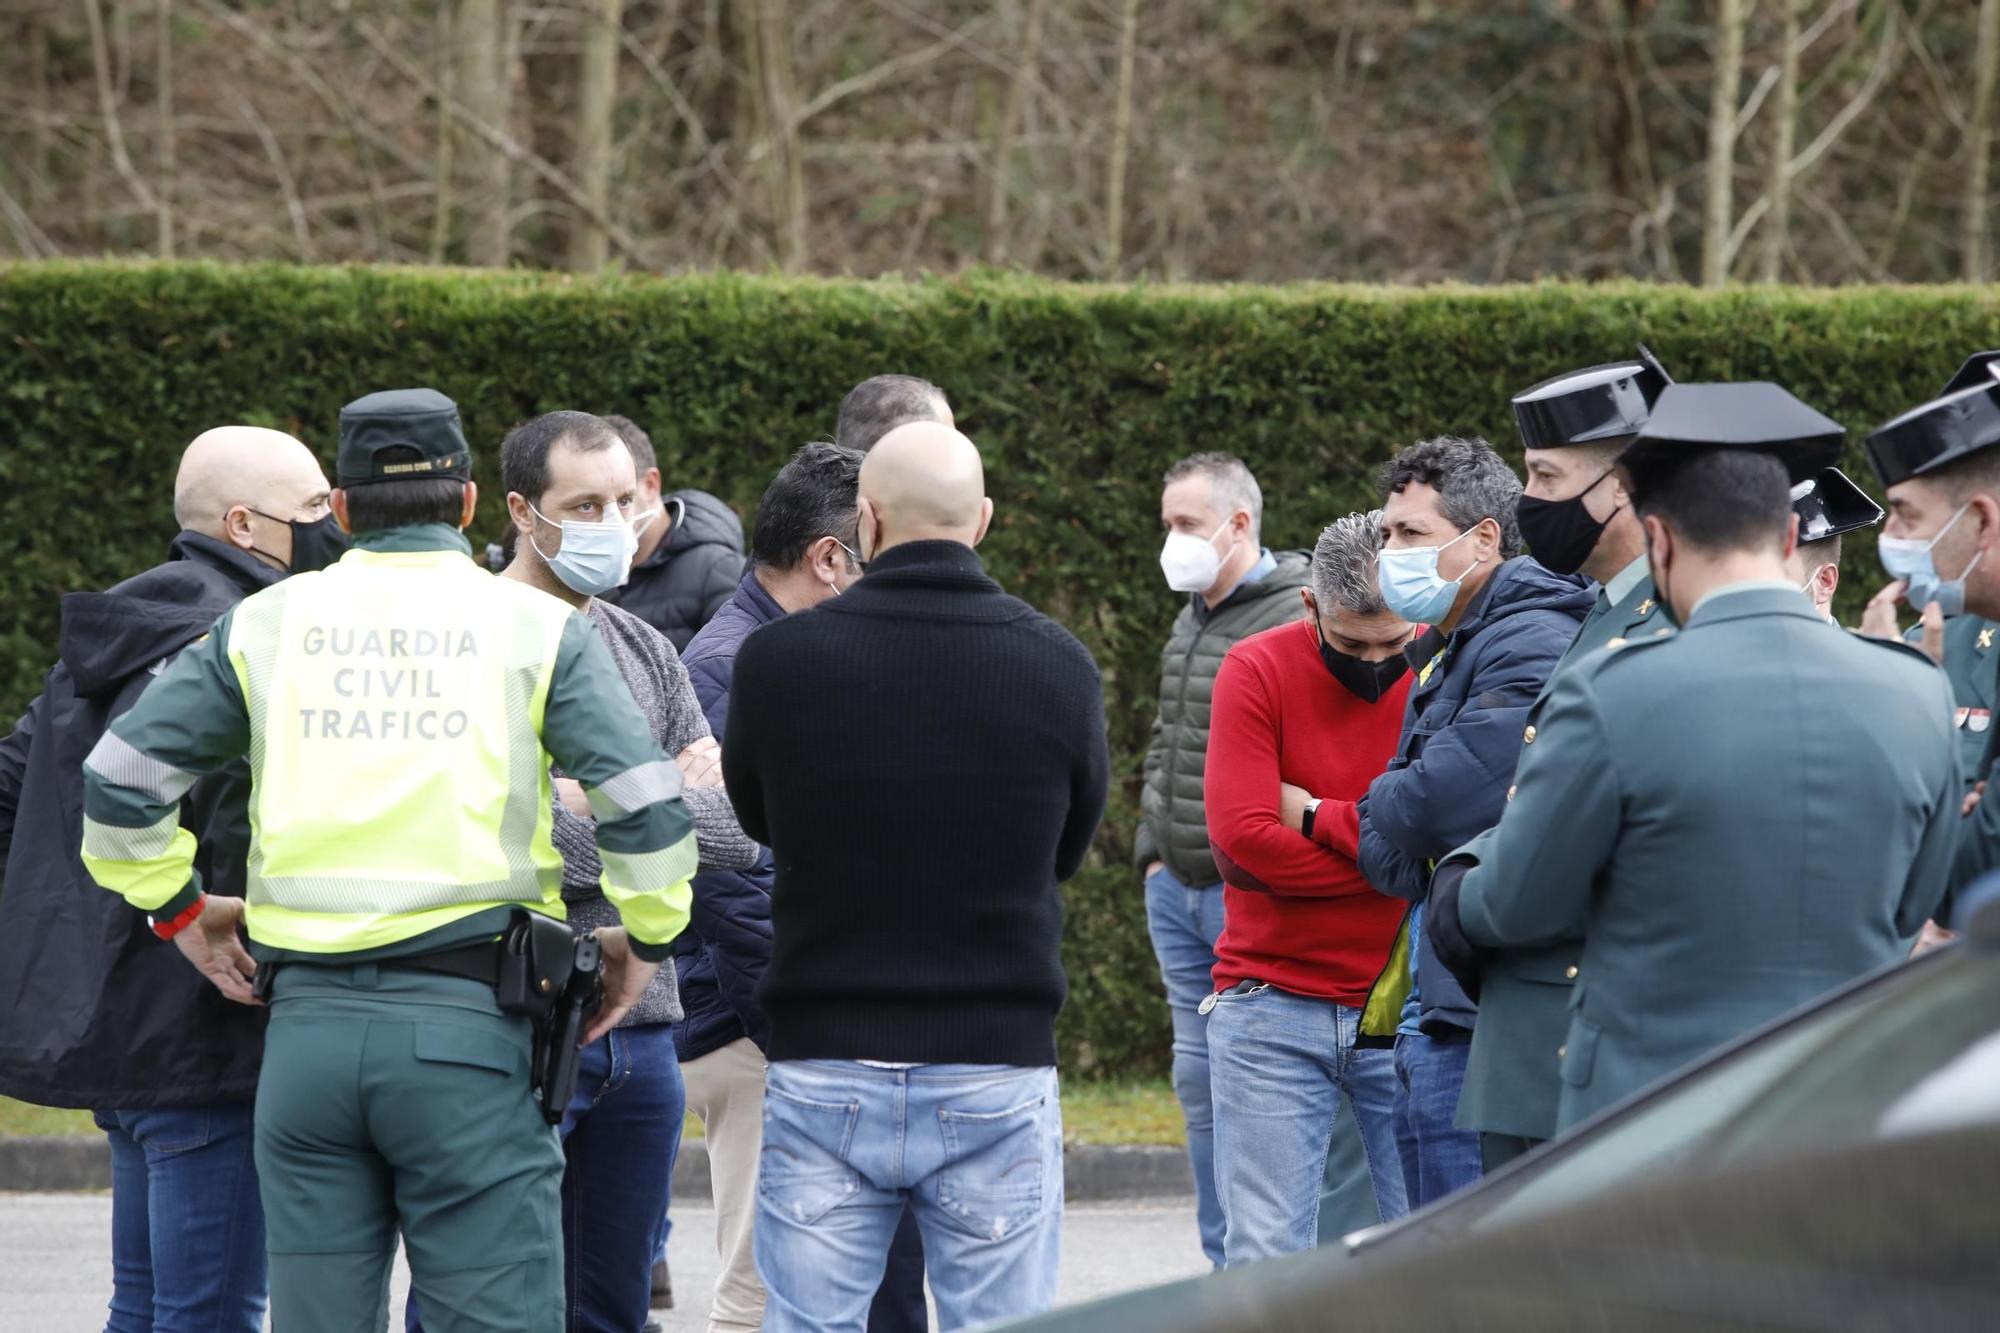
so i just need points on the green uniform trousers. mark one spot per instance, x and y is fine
(397, 1100)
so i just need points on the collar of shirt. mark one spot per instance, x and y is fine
(1747, 585)
(1266, 565)
(414, 537)
(1625, 580)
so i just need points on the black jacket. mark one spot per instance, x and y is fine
(925, 757)
(95, 1011)
(692, 573)
(1461, 739)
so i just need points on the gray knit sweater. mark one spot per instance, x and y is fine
(666, 696)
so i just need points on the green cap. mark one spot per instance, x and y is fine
(401, 435)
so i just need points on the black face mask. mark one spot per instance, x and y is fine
(1561, 534)
(1366, 681)
(315, 545)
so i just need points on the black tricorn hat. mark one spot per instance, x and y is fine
(1607, 402)
(1964, 420)
(1831, 504)
(1756, 417)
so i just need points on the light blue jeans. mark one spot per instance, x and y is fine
(975, 1150)
(1281, 1065)
(1185, 924)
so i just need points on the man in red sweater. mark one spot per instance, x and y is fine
(1305, 717)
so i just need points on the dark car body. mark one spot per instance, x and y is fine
(1836, 1169)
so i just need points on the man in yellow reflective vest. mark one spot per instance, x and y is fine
(400, 711)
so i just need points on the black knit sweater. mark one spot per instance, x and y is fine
(925, 757)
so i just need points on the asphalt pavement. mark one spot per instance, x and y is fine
(55, 1258)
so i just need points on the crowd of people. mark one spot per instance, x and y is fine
(1446, 845)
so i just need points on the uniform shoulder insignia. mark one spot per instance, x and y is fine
(1985, 638)
(1623, 648)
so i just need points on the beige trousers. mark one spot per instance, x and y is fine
(726, 1089)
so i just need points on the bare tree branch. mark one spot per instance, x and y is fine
(114, 133)
(1121, 139)
(301, 233)
(621, 240)
(1979, 146)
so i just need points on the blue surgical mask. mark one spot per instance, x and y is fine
(1910, 559)
(595, 557)
(1410, 583)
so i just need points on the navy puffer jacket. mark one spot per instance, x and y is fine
(721, 959)
(1461, 739)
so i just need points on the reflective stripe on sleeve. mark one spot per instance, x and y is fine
(635, 789)
(119, 763)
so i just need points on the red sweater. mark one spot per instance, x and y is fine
(1298, 913)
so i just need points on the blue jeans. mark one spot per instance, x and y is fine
(1438, 1157)
(1184, 924)
(975, 1150)
(187, 1225)
(1281, 1065)
(620, 1135)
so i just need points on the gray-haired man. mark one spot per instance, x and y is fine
(1306, 715)
(1234, 587)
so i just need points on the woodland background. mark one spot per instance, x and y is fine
(1808, 141)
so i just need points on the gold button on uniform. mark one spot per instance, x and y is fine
(1528, 736)
(1615, 643)
(1570, 971)
(1510, 793)
(1561, 1051)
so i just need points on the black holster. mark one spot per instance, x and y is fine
(556, 978)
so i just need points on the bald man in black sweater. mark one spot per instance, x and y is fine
(925, 756)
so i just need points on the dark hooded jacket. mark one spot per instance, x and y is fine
(692, 573)
(96, 1011)
(1462, 732)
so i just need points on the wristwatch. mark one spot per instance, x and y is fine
(166, 930)
(1306, 823)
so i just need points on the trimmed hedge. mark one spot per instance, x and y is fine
(1079, 396)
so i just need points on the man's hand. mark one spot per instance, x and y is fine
(1971, 801)
(1930, 937)
(1292, 806)
(1155, 868)
(1878, 620)
(626, 976)
(570, 792)
(701, 763)
(210, 943)
(1932, 640)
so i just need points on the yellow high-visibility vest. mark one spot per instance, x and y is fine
(399, 780)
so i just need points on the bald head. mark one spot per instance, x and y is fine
(923, 482)
(244, 484)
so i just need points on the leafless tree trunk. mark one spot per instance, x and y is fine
(1003, 135)
(781, 97)
(596, 94)
(163, 146)
(37, 34)
(1972, 232)
(1778, 227)
(1718, 205)
(447, 136)
(1121, 140)
(485, 52)
(107, 105)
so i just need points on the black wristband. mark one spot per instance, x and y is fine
(1306, 820)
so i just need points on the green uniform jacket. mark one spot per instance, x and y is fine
(1173, 826)
(1735, 818)
(194, 719)
(1511, 1079)
(1969, 664)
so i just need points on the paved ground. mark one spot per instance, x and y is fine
(56, 1270)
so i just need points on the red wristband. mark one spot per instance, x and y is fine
(166, 930)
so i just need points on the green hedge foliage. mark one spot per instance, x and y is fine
(1079, 397)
